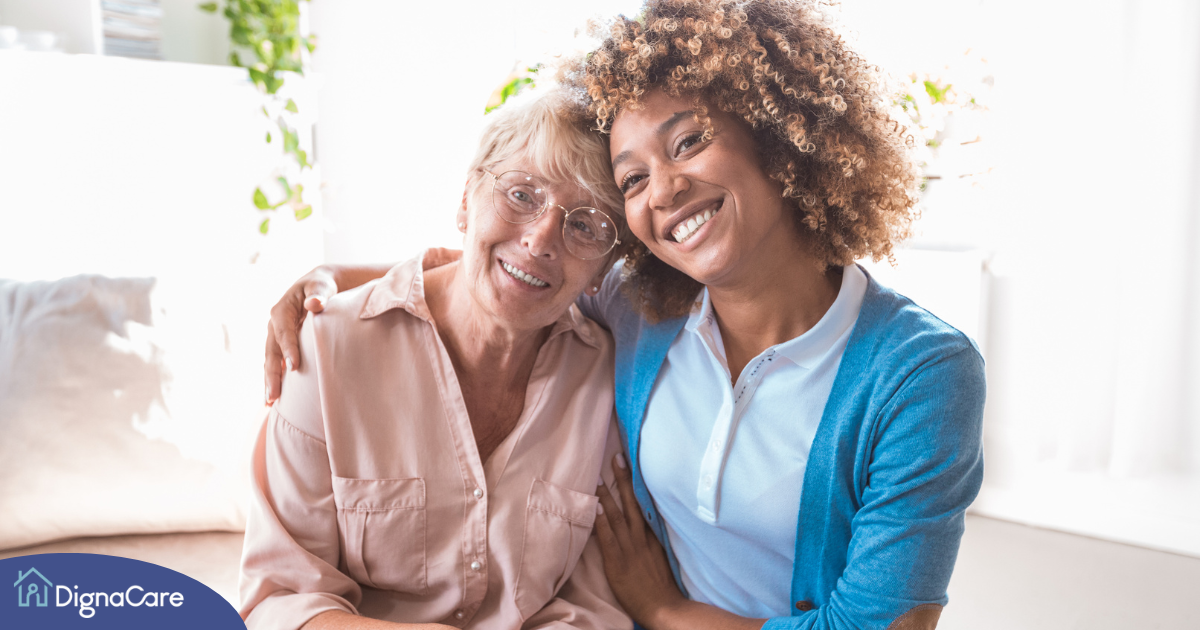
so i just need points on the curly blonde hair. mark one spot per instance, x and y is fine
(819, 113)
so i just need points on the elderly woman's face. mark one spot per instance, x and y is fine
(523, 273)
(703, 206)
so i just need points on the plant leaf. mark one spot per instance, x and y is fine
(268, 137)
(937, 94)
(303, 212)
(291, 106)
(264, 226)
(260, 200)
(258, 77)
(291, 141)
(210, 7)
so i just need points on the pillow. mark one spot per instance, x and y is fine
(122, 410)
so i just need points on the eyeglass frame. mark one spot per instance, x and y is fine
(545, 206)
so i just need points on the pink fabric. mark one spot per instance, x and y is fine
(366, 474)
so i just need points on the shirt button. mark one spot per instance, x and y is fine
(804, 605)
(476, 565)
(708, 482)
(478, 493)
(459, 614)
(716, 445)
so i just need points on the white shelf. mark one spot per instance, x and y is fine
(189, 34)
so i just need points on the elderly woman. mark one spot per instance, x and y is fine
(802, 442)
(434, 457)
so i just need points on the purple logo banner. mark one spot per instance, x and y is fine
(84, 590)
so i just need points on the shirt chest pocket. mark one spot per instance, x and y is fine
(558, 522)
(382, 525)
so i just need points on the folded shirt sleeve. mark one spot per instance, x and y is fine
(290, 558)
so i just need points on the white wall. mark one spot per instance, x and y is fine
(193, 36)
(75, 21)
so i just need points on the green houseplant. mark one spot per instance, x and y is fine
(268, 42)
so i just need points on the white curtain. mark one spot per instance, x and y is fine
(1091, 223)
(1093, 420)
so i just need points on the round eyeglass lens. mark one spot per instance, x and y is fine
(519, 197)
(589, 233)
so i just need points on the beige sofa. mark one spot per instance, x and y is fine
(127, 417)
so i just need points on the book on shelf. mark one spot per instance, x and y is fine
(132, 28)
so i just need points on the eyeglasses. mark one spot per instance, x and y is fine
(519, 198)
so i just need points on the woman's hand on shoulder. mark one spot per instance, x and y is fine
(309, 293)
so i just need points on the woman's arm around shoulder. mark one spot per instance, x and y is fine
(307, 295)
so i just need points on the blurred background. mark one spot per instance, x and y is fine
(156, 200)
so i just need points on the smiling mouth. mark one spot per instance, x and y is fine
(686, 229)
(529, 279)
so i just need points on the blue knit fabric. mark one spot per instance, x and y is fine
(896, 460)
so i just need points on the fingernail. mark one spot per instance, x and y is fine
(288, 361)
(620, 460)
(599, 509)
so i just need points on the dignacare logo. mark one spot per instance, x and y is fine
(73, 590)
(86, 602)
(31, 592)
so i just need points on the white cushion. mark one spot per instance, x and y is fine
(122, 410)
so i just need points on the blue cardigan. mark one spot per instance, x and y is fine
(896, 460)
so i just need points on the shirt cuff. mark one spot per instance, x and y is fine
(292, 610)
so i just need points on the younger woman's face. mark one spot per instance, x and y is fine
(705, 207)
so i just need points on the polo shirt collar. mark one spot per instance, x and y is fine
(807, 349)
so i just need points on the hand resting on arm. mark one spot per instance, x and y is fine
(637, 569)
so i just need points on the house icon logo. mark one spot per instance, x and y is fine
(31, 592)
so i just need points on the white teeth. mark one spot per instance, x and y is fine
(686, 229)
(523, 277)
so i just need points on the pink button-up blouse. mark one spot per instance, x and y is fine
(370, 496)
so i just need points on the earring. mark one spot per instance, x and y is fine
(462, 226)
(595, 289)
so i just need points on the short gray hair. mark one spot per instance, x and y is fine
(551, 129)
